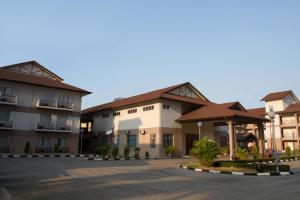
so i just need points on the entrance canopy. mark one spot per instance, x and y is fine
(234, 112)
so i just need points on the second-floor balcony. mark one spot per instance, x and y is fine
(289, 136)
(7, 125)
(53, 104)
(289, 123)
(51, 127)
(8, 100)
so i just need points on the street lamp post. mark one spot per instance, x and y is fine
(199, 124)
(271, 115)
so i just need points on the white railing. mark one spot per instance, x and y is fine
(6, 125)
(50, 127)
(52, 104)
(12, 100)
(289, 123)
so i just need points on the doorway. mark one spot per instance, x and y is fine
(190, 138)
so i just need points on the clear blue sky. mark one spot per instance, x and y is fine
(230, 50)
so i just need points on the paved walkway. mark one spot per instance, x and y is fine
(76, 179)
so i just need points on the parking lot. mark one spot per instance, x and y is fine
(77, 178)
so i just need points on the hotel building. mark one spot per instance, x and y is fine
(174, 116)
(39, 109)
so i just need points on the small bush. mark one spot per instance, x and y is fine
(115, 152)
(103, 150)
(170, 150)
(126, 152)
(27, 148)
(205, 150)
(255, 152)
(242, 154)
(56, 148)
(288, 151)
(226, 150)
(137, 152)
(147, 155)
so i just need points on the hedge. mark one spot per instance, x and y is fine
(244, 164)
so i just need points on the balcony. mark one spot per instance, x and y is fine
(289, 137)
(49, 127)
(8, 100)
(52, 104)
(6, 125)
(290, 123)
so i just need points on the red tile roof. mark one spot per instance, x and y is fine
(292, 108)
(157, 94)
(258, 111)
(218, 112)
(277, 96)
(8, 75)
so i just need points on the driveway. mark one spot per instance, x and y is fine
(76, 179)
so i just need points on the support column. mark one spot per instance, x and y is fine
(297, 132)
(261, 139)
(231, 139)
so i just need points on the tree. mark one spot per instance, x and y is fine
(288, 151)
(242, 154)
(205, 151)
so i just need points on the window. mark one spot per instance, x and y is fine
(152, 140)
(4, 116)
(147, 108)
(166, 107)
(131, 140)
(116, 114)
(45, 119)
(43, 142)
(61, 142)
(6, 91)
(131, 111)
(62, 120)
(105, 116)
(3, 141)
(64, 99)
(223, 141)
(168, 140)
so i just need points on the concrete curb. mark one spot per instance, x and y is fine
(47, 156)
(273, 161)
(236, 173)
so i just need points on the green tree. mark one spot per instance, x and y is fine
(205, 151)
(242, 154)
(255, 152)
(288, 151)
(115, 152)
(126, 152)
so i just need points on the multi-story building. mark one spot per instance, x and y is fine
(173, 116)
(287, 119)
(38, 109)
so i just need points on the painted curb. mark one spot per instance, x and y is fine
(236, 173)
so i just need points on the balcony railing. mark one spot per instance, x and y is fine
(289, 123)
(289, 137)
(49, 127)
(10, 100)
(7, 125)
(52, 104)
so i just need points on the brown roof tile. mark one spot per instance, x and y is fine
(8, 75)
(277, 95)
(161, 93)
(258, 111)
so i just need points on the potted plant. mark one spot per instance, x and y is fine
(27, 148)
(170, 150)
(126, 153)
(147, 155)
(137, 153)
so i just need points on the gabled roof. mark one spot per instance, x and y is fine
(218, 112)
(279, 96)
(8, 75)
(157, 94)
(33, 63)
(258, 111)
(292, 108)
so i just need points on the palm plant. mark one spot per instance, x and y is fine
(242, 154)
(205, 151)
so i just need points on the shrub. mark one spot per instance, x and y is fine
(242, 154)
(115, 152)
(255, 152)
(137, 152)
(288, 151)
(56, 148)
(27, 148)
(226, 150)
(126, 152)
(103, 150)
(170, 150)
(205, 151)
(147, 155)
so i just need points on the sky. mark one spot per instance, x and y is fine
(229, 50)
